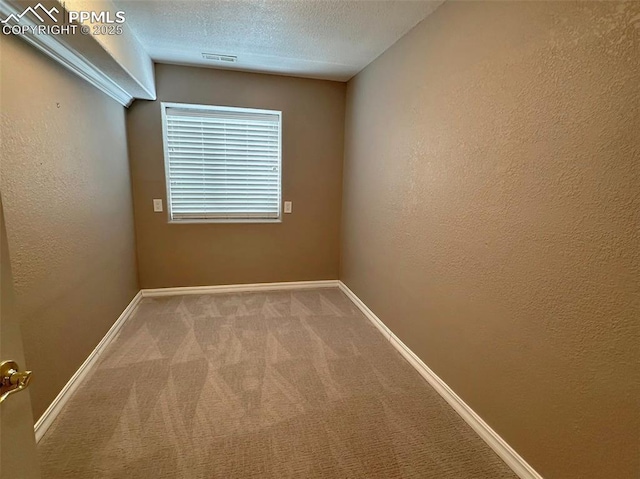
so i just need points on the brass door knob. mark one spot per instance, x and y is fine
(12, 379)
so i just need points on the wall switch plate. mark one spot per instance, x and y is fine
(157, 206)
(287, 206)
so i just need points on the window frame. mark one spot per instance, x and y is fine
(167, 181)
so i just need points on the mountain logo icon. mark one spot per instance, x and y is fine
(34, 11)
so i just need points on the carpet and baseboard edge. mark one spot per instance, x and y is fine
(517, 464)
(42, 425)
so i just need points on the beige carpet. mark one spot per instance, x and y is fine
(259, 385)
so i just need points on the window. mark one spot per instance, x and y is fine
(222, 163)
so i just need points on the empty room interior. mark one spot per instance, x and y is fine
(320, 239)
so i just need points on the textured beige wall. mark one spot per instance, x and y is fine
(68, 212)
(305, 246)
(492, 213)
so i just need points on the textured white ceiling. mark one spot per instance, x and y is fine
(331, 39)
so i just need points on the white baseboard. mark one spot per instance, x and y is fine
(45, 421)
(522, 469)
(240, 288)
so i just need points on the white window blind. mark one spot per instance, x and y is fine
(222, 163)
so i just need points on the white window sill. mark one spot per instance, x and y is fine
(241, 221)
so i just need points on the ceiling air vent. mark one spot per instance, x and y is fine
(216, 57)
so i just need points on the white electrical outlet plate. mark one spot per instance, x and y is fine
(287, 206)
(157, 206)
